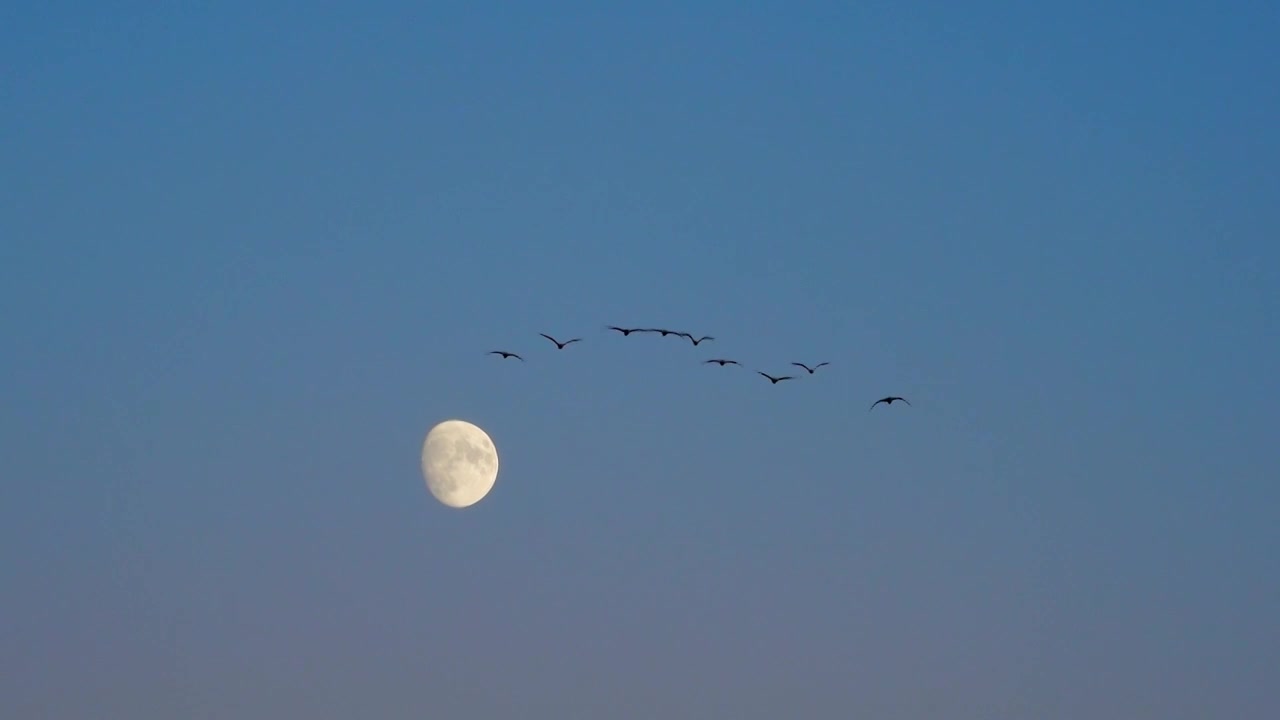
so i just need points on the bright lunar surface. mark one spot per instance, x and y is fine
(459, 463)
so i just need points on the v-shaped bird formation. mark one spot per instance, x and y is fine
(721, 362)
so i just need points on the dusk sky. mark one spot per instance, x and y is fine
(251, 252)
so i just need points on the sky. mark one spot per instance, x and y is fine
(250, 253)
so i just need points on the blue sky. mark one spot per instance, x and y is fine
(251, 252)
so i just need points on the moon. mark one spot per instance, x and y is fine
(459, 463)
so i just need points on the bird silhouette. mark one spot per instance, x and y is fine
(776, 380)
(886, 401)
(811, 369)
(721, 361)
(560, 345)
(660, 330)
(505, 354)
(625, 331)
(695, 342)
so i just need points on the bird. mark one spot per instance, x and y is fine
(506, 354)
(776, 380)
(695, 342)
(625, 331)
(660, 330)
(722, 362)
(560, 345)
(811, 369)
(886, 401)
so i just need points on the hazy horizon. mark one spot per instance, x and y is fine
(251, 253)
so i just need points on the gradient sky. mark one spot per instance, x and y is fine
(250, 252)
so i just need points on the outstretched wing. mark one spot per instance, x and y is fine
(815, 367)
(806, 367)
(550, 338)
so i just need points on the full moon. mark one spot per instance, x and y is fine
(459, 463)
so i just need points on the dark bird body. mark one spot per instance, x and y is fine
(692, 340)
(625, 331)
(776, 380)
(886, 401)
(506, 354)
(659, 330)
(560, 345)
(810, 369)
(721, 361)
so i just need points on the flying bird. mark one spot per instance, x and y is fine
(811, 369)
(660, 330)
(625, 331)
(560, 345)
(722, 362)
(776, 380)
(505, 354)
(695, 342)
(886, 401)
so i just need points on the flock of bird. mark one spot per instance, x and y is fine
(627, 332)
